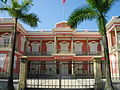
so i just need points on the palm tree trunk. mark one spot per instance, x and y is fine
(10, 80)
(108, 85)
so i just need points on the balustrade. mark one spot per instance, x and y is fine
(59, 51)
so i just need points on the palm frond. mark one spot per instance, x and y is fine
(96, 4)
(108, 4)
(3, 9)
(26, 4)
(81, 14)
(30, 19)
(20, 11)
(15, 4)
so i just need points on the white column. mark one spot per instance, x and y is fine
(110, 39)
(23, 73)
(55, 43)
(40, 46)
(72, 67)
(116, 35)
(98, 76)
(72, 44)
(10, 41)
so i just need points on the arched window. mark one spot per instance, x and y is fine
(7, 39)
(64, 46)
(93, 47)
(50, 47)
(78, 47)
(35, 47)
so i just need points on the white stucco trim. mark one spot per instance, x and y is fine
(93, 47)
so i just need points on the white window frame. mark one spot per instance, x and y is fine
(34, 45)
(93, 47)
(64, 47)
(78, 47)
(50, 47)
(6, 37)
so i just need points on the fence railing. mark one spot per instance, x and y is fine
(59, 51)
(43, 53)
(88, 53)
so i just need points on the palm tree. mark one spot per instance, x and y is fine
(19, 12)
(4, 1)
(95, 9)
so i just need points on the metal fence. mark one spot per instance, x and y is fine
(63, 75)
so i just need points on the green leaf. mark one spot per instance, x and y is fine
(4, 1)
(21, 12)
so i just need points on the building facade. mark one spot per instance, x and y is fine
(59, 45)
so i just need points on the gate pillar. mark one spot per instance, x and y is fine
(97, 73)
(23, 73)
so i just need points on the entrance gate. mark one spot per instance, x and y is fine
(60, 75)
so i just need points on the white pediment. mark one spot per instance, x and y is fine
(50, 42)
(64, 43)
(93, 42)
(6, 34)
(35, 42)
(78, 43)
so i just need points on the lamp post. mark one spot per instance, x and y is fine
(10, 79)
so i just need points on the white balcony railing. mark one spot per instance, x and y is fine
(88, 53)
(45, 53)
(64, 51)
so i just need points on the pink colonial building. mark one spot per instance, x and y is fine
(59, 45)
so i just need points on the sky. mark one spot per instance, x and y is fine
(50, 12)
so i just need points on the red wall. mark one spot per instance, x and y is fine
(113, 39)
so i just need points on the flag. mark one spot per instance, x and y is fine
(4, 1)
(63, 1)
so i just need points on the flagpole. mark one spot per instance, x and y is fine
(63, 2)
(64, 11)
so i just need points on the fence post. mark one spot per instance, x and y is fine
(60, 75)
(97, 73)
(23, 73)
